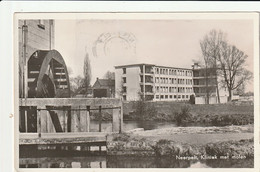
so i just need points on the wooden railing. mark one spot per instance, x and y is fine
(67, 114)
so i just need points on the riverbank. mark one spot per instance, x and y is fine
(232, 142)
(183, 113)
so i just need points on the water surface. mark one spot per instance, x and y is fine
(129, 162)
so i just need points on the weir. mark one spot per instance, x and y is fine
(65, 121)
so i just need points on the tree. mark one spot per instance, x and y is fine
(210, 47)
(227, 60)
(109, 75)
(87, 72)
(120, 89)
(76, 83)
(232, 67)
(240, 90)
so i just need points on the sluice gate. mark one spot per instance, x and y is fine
(47, 113)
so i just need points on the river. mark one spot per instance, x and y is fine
(129, 162)
(61, 159)
(106, 126)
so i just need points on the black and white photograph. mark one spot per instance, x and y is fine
(135, 90)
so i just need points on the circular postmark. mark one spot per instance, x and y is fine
(113, 43)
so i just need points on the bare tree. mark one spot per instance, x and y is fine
(120, 89)
(232, 65)
(76, 83)
(210, 47)
(109, 75)
(227, 60)
(87, 72)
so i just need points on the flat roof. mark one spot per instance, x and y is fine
(173, 67)
(132, 65)
(140, 64)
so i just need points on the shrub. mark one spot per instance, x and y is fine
(144, 110)
(183, 115)
(121, 137)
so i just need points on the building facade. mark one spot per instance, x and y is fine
(33, 35)
(162, 83)
(207, 87)
(152, 82)
(104, 88)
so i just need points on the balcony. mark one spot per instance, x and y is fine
(204, 86)
(203, 77)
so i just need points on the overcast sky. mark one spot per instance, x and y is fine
(163, 42)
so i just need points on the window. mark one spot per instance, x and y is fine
(161, 96)
(124, 97)
(183, 96)
(157, 97)
(124, 70)
(124, 79)
(124, 89)
(170, 96)
(175, 96)
(187, 96)
(166, 96)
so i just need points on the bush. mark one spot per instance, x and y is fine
(183, 115)
(144, 110)
(121, 137)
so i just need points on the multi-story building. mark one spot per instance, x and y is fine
(206, 85)
(152, 82)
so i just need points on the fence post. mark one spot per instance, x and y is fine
(88, 119)
(116, 120)
(25, 121)
(121, 118)
(45, 123)
(69, 120)
(83, 119)
(100, 118)
(38, 113)
(64, 119)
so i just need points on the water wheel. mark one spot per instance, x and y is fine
(47, 78)
(47, 75)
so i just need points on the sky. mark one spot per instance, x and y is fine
(175, 43)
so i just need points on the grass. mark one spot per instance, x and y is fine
(217, 114)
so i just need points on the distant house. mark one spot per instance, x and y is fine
(104, 88)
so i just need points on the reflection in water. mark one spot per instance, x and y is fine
(231, 163)
(145, 162)
(106, 126)
(81, 159)
(129, 162)
(64, 162)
